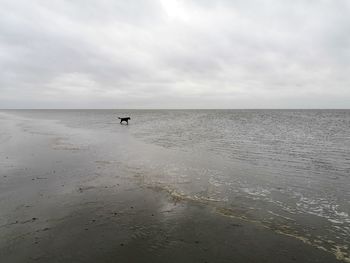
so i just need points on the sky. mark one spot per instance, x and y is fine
(175, 54)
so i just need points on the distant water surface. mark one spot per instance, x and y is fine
(287, 169)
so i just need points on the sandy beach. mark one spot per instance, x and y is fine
(68, 195)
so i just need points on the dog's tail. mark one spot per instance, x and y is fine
(119, 118)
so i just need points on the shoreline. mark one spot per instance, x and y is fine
(63, 200)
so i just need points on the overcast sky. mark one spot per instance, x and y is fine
(175, 54)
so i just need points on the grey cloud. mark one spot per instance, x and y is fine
(175, 54)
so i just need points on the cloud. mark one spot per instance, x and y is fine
(175, 54)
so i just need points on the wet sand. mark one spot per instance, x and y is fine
(67, 196)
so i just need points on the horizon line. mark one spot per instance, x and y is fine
(174, 108)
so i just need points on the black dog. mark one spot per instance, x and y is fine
(126, 119)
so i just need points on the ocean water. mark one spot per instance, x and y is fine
(288, 170)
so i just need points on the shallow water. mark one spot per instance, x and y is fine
(288, 170)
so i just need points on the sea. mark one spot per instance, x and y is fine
(286, 170)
